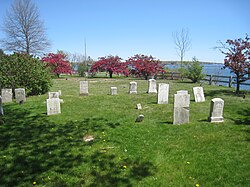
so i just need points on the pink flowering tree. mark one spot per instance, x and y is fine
(144, 66)
(237, 58)
(57, 63)
(110, 64)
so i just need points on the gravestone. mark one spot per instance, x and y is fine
(20, 95)
(113, 90)
(139, 118)
(84, 88)
(6, 95)
(53, 95)
(198, 94)
(53, 106)
(163, 92)
(181, 108)
(152, 88)
(133, 87)
(138, 106)
(60, 92)
(182, 92)
(1, 107)
(216, 110)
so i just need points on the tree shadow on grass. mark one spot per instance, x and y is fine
(219, 92)
(244, 119)
(31, 147)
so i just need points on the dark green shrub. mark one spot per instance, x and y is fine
(25, 71)
(194, 71)
(82, 69)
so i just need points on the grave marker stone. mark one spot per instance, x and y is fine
(6, 95)
(1, 107)
(20, 95)
(182, 92)
(84, 88)
(53, 95)
(113, 90)
(198, 94)
(181, 108)
(152, 88)
(216, 110)
(163, 92)
(133, 87)
(53, 106)
(138, 106)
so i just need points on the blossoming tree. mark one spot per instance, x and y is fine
(110, 64)
(57, 63)
(237, 58)
(144, 66)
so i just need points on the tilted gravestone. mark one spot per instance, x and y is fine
(84, 88)
(133, 87)
(6, 95)
(20, 95)
(53, 95)
(138, 106)
(53, 106)
(216, 110)
(163, 92)
(152, 87)
(181, 108)
(1, 107)
(198, 94)
(113, 90)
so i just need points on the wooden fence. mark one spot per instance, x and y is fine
(211, 79)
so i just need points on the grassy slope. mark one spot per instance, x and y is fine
(49, 150)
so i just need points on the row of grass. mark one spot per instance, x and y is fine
(41, 150)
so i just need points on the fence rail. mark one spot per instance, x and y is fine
(210, 78)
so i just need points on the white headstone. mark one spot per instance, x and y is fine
(152, 88)
(133, 87)
(198, 94)
(138, 106)
(84, 88)
(60, 92)
(6, 95)
(182, 92)
(113, 90)
(181, 108)
(139, 118)
(53, 95)
(216, 110)
(20, 95)
(53, 106)
(1, 107)
(163, 92)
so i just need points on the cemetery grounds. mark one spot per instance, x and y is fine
(41, 150)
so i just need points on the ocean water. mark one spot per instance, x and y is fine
(215, 69)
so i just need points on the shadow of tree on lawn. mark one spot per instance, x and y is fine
(31, 147)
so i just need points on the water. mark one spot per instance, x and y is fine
(215, 69)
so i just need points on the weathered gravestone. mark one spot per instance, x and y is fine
(6, 95)
(163, 92)
(20, 95)
(181, 108)
(60, 92)
(1, 107)
(139, 118)
(198, 94)
(113, 90)
(84, 88)
(152, 88)
(216, 110)
(53, 95)
(138, 106)
(133, 87)
(53, 106)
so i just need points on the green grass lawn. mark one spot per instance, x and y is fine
(41, 150)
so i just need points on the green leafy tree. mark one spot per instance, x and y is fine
(25, 71)
(82, 69)
(194, 70)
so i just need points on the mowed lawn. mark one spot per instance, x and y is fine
(41, 150)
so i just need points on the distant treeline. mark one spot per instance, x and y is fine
(179, 62)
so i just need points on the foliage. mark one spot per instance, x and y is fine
(57, 63)
(194, 70)
(21, 70)
(25, 32)
(144, 66)
(50, 151)
(110, 64)
(82, 68)
(237, 58)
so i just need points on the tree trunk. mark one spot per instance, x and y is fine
(110, 74)
(238, 84)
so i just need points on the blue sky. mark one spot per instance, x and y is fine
(129, 27)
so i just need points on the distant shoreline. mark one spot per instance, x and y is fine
(178, 62)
